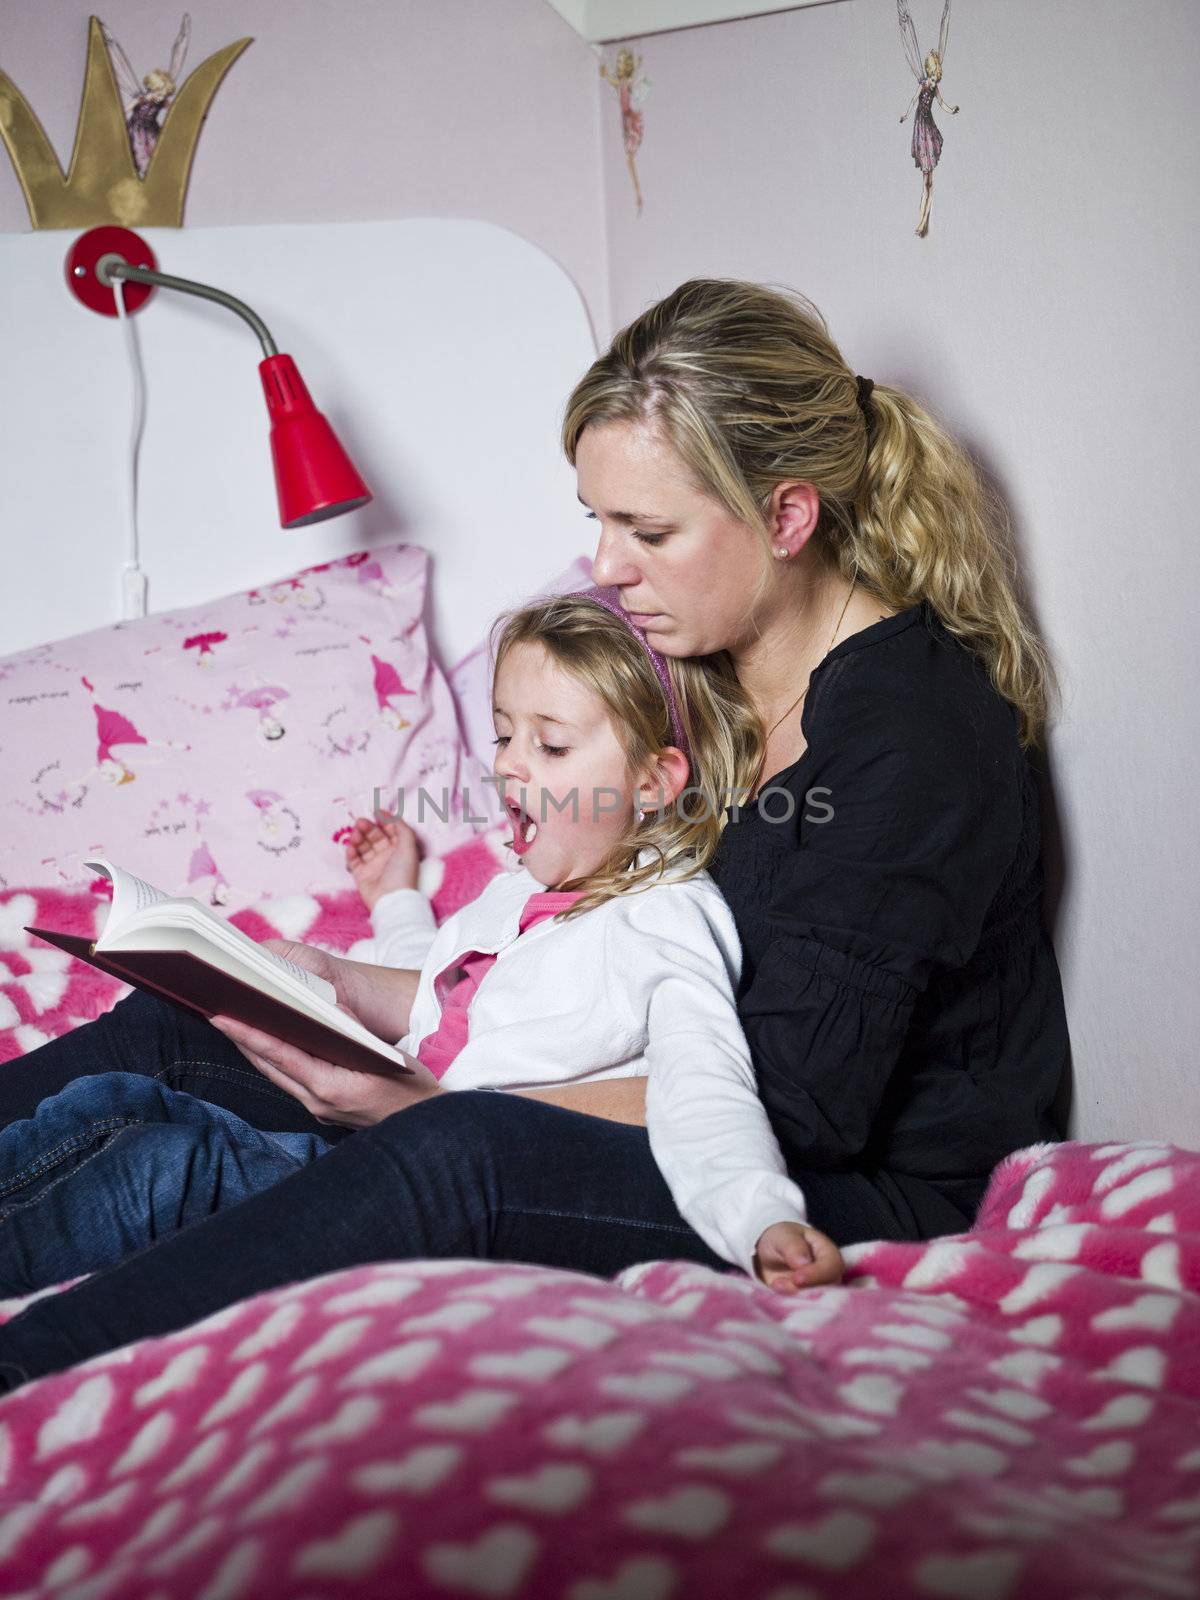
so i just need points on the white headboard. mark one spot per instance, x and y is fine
(441, 350)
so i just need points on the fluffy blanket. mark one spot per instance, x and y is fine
(1008, 1413)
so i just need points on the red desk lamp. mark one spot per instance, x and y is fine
(314, 477)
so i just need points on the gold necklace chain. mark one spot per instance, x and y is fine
(828, 648)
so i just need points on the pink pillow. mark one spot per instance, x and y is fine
(222, 750)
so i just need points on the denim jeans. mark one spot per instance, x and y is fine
(113, 1162)
(147, 1036)
(471, 1174)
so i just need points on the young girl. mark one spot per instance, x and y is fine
(607, 950)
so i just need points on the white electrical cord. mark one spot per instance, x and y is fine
(133, 579)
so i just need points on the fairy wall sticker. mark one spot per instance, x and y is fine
(132, 160)
(632, 87)
(147, 99)
(926, 135)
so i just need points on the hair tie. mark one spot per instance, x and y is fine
(865, 385)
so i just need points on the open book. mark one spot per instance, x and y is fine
(185, 953)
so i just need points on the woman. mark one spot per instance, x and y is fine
(899, 991)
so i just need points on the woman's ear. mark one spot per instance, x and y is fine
(795, 508)
(663, 781)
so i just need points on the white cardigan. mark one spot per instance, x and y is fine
(641, 985)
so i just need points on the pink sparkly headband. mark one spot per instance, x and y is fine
(608, 598)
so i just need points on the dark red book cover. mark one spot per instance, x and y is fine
(206, 991)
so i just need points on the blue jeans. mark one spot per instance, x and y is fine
(472, 1174)
(113, 1162)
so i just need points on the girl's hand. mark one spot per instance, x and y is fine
(381, 856)
(338, 1095)
(792, 1256)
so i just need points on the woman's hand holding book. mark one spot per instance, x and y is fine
(379, 997)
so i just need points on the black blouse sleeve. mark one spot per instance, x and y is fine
(923, 783)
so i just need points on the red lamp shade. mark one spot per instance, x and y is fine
(314, 477)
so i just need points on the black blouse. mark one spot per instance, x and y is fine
(899, 990)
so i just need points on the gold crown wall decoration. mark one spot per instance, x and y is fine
(103, 183)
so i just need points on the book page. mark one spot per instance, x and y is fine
(232, 936)
(130, 894)
(137, 904)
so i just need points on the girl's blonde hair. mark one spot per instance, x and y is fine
(745, 383)
(720, 724)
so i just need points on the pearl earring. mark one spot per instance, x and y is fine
(781, 554)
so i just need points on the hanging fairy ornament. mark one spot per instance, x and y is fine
(147, 100)
(926, 135)
(632, 86)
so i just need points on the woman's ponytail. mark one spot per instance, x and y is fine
(923, 526)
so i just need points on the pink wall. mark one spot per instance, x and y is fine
(381, 108)
(1051, 317)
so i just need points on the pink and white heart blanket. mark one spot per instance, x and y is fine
(1012, 1412)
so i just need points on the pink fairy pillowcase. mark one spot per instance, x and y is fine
(222, 750)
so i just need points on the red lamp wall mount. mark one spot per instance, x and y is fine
(314, 477)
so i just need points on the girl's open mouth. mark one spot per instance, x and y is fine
(525, 829)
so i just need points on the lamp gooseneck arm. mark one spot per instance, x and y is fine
(115, 266)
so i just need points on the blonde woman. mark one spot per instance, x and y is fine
(758, 501)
